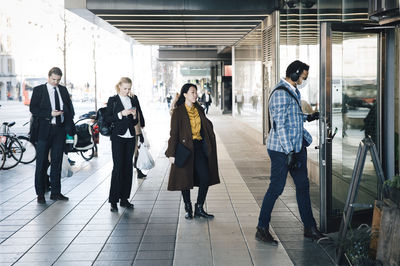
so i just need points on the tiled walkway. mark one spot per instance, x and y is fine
(83, 231)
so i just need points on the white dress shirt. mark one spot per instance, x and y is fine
(291, 86)
(50, 90)
(126, 102)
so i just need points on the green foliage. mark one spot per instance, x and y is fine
(394, 182)
(356, 245)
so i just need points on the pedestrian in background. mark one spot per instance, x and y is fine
(287, 142)
(53, 114)
(206, 100)
(194, 132)
(122, 113)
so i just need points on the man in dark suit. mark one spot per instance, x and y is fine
(206, 100)
(53, 112)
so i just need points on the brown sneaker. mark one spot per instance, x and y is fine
(264, 235)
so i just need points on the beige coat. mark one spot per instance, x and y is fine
(183, 178)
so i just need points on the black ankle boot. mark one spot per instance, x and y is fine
(189, 211)
(140, 174)
(199, 211)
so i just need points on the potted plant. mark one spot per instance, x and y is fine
(356, 246)
(392, 189)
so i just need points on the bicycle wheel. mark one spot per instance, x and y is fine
(29, 150)
(88, 154)
(2, 156)
(13, 151)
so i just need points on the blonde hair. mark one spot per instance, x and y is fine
(122, 80)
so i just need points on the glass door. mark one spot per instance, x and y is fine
(350, 85)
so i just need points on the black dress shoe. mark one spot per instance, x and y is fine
(126, 204)
(140, 174)
(264, 235)
(41, 199)
(199, 211)
(114, 207)
(58, 197)
(313, 233)
(189, 211)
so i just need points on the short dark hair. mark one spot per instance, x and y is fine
(296, 66)
(56, 71)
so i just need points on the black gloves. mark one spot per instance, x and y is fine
(313, 117)
(141, 138)
(291, 160)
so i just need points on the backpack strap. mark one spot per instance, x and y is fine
(269, 99)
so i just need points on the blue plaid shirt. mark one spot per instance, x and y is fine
(288, 118)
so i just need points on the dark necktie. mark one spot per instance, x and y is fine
(57, 101)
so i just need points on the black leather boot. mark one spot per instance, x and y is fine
(313, 233)
(199, 211)
(140, 174)
(264, 235)
(189, 211)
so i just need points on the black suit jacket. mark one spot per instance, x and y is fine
(114, 106)
(139, 110)
(40, 107)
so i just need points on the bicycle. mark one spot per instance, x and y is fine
(2, 155)
(29, 149)
(12, 147)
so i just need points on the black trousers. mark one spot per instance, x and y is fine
(55, 142)
(201, 173)
(121, 178)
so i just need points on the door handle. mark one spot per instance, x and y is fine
(330, 135)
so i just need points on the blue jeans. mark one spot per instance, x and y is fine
(279, 171)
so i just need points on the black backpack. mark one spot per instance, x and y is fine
(105, 128)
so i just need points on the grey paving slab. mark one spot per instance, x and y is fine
(253, 167)
(82, 231)
(112, 263)
(153, 262)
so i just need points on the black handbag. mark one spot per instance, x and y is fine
(181, 155)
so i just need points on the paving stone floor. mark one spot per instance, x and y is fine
(83, 231)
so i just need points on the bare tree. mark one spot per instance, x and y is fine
(94, 37)
(64, 44)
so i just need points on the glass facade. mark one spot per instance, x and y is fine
(356, 86)
(248, 80)
(354, 112)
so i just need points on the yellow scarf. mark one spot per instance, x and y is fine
(195, 122)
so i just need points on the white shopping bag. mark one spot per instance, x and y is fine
(145, 160)
(146, 140)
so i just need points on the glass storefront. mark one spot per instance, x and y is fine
(248, 80)
(354, 111)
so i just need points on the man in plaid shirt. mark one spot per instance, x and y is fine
(287, 142)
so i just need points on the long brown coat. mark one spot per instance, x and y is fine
(183, 178)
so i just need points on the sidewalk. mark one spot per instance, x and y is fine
(83, 231)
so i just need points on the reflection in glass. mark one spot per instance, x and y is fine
(354, 91)
(248, 80)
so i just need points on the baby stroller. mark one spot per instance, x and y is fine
(86, 138)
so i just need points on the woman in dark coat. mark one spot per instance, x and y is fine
(191, 129)
(121, 112)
